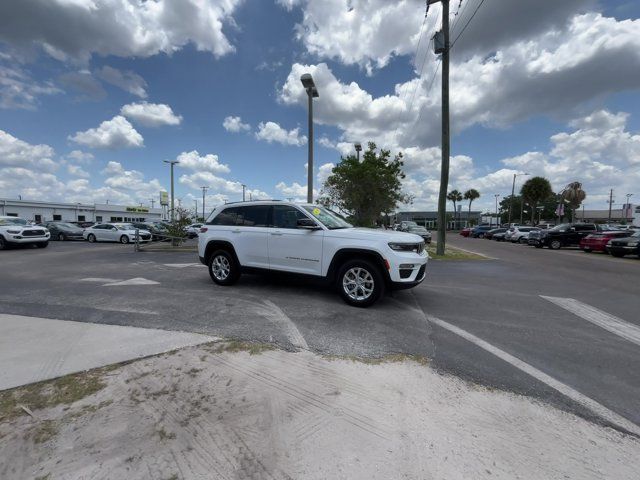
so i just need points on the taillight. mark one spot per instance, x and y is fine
(203, 229)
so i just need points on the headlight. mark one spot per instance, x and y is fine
(632, 244)
(13, 231)
(407, 247)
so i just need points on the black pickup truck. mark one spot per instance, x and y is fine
(563, 235)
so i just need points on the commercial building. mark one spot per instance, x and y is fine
(39, 212)
(629, 214)
(430, 219)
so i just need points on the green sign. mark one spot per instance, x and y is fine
(138, 209)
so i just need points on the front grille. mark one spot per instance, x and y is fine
(33, 233)
(145, 237)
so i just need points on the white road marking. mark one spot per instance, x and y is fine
(595, 407)
(602, 319)
(133, 281)
(183, 265)
(277, 316)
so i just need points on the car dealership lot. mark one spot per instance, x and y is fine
(513, 303)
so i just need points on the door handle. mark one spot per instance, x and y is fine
(279, 234)
(236, 231)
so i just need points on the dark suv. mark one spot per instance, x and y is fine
(563, 235)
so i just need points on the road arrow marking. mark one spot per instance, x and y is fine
(602, 319)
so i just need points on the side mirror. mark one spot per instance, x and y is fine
(308, 224)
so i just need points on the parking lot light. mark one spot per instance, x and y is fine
(312, 92)
(172, 163)
(358, 147)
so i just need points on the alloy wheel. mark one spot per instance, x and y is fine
(220, 267)
(358, 284)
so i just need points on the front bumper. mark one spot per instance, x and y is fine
(419, 278)
(20, 239)
(624, 249)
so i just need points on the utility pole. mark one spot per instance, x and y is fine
(444, 169)
(173, 210)
(243, 189)
(153, 203)
(610, 204)
(497, 221)
(204, 189)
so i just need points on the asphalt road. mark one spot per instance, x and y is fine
(498, 301)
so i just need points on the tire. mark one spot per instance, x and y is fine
(360, 283)
(587, 250)
(91, 238)
(61, 237)
(523, 241)
(3, 243)
(539, 245)
(124, 239)
(481, 235)
(42, 244)
(555, 245)
(617, 254)
(223, 268)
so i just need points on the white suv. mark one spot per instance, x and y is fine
(17, 231)
(311, 240)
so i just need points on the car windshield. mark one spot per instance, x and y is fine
(417, 228)
(563, 227)
(13, 221)
(66, 225)
(328, 218)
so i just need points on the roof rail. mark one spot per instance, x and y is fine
(251, 201)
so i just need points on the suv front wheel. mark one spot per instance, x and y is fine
(360, 283)
(223, 268)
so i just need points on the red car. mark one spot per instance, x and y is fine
(596, 242)
(465, 232)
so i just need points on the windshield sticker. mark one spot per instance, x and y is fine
(316, 211)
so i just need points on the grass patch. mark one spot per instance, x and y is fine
(453, 253)
(60, 391)
(164, 435)
(45, 431)
(389, 358)
(235, 346)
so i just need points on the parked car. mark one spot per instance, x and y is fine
(83, 224)
(158, 230)
(64, 231)
(193, 230)
(479, 231)
(466, 231)
(521, 234)
(312, 240)
(115, 232)
(564, 235)
(494, 231)
(18, 231)
(619, 247)
(422, 232)
(597, 242)
(406, 224)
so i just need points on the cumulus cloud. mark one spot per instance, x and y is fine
(80, 157)
(19, 90)
(151, 114)
(114, 133)
(77, 171)
(126, 80)
(84, 84)
(218, 185)
(235, 125)
(124, 28)
(207, 163)
(272, 132)
(18, 153)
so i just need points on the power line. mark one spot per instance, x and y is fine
(466, 24)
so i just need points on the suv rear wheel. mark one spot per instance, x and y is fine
(555, 245)
(223, 268)
(360, 283)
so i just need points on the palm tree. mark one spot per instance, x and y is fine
(534, 191)
(455, 196)
(573, 194)
(471, 195)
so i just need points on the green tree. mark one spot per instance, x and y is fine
(454, 196)
(534, 191)
(471, 195)
(574, 195)
(367, 189)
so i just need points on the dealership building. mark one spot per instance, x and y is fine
(40, 212)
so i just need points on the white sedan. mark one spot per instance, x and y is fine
(115, 232)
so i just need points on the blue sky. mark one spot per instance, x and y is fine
(548, 89)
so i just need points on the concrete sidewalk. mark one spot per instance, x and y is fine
(34, 349)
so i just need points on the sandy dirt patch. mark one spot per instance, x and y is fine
(212, 413)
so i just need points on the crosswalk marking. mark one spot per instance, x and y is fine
(609, 322)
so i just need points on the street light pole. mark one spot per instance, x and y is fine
(243, 189)
(628, 207)
(513, 191)
(358, 147)
(204, 189)
(312, 92)
(497, 222)
(173, 211)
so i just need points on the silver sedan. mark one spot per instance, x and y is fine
(115, 232)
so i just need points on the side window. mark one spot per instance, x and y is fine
(226, 217)
(286, 217)
(253, 216)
